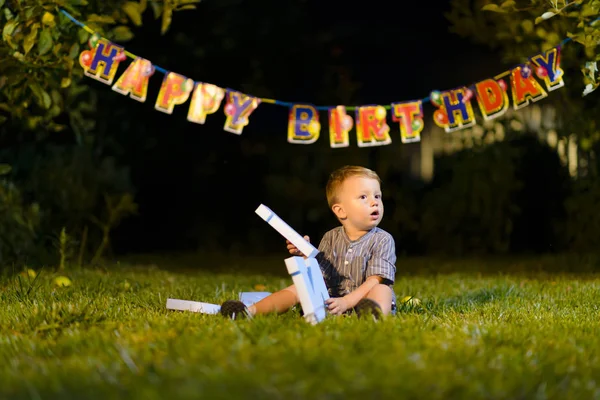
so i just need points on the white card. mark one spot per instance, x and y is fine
(286, 231)
(303, 274)
(249, 298)
(193, 306)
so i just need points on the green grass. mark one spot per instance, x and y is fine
(530, 333)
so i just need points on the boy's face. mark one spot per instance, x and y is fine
(359, 203)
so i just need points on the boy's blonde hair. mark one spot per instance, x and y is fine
(337, 178)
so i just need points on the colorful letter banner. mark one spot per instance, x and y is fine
(206, 100)
(238, 108)
(303, 124)
(454, 109)
(340, 125)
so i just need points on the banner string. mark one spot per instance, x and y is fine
(262, 99)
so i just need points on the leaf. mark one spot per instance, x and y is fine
(8, 14)
(493, 8)
(577, 38)
(508, 4)
(45, 43)
(142, 6)
(83, 36)
(2, 3)
(65, 83)
(19, 56)
(69, 62)
(56, 97)
(547, 15)
(48, 19)
(527, 26)
(132, 10)
(122, 33)
(156, 9)
(589, 11)
(56, 127)
(166, 18)
(5, 169)
(29, 14)
(55, 111)
(553, 38)
(8, 30)
(57, 49)
(41, 96)
(29, 40)
(74, 51)
(102, 19)
(585, 144)
(541, 33)
(590, 41)
(589, 88)
(46, 100)
(2, 120)
(187, 7)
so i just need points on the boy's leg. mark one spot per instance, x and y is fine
(382, 295)
(277, 302)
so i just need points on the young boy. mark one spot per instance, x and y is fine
(357, 258)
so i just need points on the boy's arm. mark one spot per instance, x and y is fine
(360, 292)
(339, 305)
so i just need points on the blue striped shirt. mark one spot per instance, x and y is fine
(346, 264)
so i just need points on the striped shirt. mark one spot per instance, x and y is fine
(346, 264)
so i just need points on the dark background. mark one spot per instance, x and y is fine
(197, 186)
(193, 179)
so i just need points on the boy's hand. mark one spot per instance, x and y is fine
(337, 305)
(294, 250)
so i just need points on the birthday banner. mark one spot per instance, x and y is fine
(527, 83)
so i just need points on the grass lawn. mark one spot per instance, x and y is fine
(524, 333)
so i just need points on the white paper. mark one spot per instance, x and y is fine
(193, 306)
(249, 298)
(286, 231)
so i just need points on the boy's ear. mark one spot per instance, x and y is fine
(339, 212)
